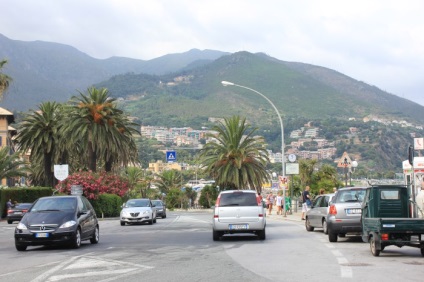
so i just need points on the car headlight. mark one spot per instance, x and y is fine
(68, 224)
(124, 213)
(21, 226)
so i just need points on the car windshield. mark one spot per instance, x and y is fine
(23, 206)
(137, 203)
(157, 203)
(55, 204)
(349, 196)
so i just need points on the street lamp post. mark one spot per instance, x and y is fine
(227, 83)
(351, 170)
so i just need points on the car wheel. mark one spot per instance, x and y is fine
(154, 220)
(76, 240)
(20, 248)
(324, 226)
(164, 216)
(216, 235)
(373, 247)
(261, 234)
(422, 252)
(151, 221)
(10, 221)
(308, 225)
(96, 236)
(332, 237)
(122, 223)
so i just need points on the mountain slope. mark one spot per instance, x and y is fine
(44, 71)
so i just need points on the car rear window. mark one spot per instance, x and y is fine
(238, 199)
(350, 196)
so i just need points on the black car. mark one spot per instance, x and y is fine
(57, 220)
(160, 208)
(17, 212)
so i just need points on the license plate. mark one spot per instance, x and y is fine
(41, 235)
(18, 212)
(353, 211)
(239, 226)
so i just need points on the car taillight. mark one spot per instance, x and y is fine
(217, 202)
(24, 210)
(333, 210)
(9, 211)
(384, 237)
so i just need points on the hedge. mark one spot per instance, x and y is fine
(107, 205)
(21, 195)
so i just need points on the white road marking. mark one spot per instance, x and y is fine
(91, 266)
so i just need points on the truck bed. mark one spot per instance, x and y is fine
(401, 225)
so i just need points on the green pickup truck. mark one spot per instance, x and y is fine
(386, 219)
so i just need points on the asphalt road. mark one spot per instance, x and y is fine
(180, 248)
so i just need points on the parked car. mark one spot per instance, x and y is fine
(316, 217)
(160, 208)
(238, 211)
(57, 220)
(138, 211)
(17, 212)
(344, 215)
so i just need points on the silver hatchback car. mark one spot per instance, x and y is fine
(316, 217)
(344, 215)
(238, 211)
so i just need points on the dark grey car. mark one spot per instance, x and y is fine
(344, 215)
(316, 217)
(160, 208)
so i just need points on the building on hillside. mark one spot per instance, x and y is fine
(6, 134)
(160, 166)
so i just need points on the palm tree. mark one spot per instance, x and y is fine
(101, 129)
(38, 134)
(11, 165)
(306, 169)
(4, 80)
(236, 160)
(169, 179)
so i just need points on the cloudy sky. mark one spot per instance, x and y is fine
(377, 42)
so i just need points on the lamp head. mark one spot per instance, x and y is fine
(226, 83)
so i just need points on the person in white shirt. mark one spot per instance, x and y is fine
(279, 202)
(419, 199)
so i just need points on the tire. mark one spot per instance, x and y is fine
(308, 225)
(10, 221)
(96, 236)
(76, 239)
(324, 226)
(373, 247)
(164, 216)
(261, 234)
(216, 236)
(151, 221)
(122, 223)
(422, 251)
(332, 237)
(154, 220)
(22, 248)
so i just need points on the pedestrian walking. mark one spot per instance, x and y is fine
(9, 204)
(279, 203)
(270, 202)
(307, 203)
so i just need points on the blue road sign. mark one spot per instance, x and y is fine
(171, 156)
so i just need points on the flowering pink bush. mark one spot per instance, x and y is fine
(94, 184)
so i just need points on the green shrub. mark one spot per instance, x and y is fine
(107, 205)
(22, 195)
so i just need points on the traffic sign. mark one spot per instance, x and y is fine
(171, 156)
(344, 161)
(61, 172)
